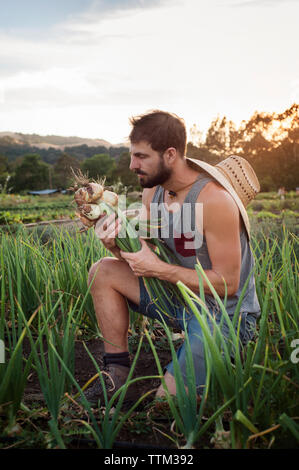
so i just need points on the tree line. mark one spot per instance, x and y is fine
(269, 141)
(32, 173)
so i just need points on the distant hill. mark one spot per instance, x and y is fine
(15, 144)
(53, 141)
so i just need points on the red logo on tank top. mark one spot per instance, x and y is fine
(184, 244)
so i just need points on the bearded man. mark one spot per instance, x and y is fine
(219, 240)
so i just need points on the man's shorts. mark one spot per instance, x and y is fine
(179, 317)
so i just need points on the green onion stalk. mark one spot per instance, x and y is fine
(93, 201)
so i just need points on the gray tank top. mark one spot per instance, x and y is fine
(179, 233)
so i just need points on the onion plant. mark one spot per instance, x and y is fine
(44, 296)
(244, 381)
(52, 344)
(219, 351)
(188, 417)
(15, 369)
(39, 272)
(105, 427)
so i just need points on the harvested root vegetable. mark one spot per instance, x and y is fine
(91, 211)
(85, 221)
(81, 197)
(95, 191)
(89, 194)
(110, 198)
(91, 199)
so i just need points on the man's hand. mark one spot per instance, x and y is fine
(107, 229)
(144, 262)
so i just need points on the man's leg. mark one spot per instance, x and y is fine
(196, 341)
(170, 384)
(112, 282)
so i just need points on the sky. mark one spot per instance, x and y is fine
(84, 67)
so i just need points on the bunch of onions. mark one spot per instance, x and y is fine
(93, 201)
(90, 198)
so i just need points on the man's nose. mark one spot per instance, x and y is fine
(134, 164)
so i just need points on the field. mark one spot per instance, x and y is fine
(16, 209)
(53, 346)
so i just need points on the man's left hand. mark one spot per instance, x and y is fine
(144, 262)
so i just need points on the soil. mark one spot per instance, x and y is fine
(147, 423)
(85, 369)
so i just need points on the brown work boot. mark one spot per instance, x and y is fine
(114, 376)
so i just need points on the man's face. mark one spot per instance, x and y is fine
(149, 165)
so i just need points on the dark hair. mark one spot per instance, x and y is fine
(161, 130)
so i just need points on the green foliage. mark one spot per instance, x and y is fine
(62, 175)
(99, 166)
(4, 170)
(19, 209)
(31, 174)
(45, 297)
(269, 142)
(123, 172)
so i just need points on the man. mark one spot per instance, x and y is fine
(169, 179)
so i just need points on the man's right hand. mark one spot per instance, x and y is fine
(106, 229)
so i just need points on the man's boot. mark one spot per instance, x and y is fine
(114, 376)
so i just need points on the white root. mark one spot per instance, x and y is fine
(91, 211)
(110, 198)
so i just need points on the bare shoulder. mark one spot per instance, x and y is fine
(147, 195)
(218, 205)
(214, 192)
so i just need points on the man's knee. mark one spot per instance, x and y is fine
(101, 271)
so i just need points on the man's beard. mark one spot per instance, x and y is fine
(161, 176)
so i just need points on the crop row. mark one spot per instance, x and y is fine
(8, 217)
(45, 299)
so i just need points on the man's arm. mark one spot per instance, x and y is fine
(221, 229)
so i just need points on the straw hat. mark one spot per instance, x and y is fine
(237, 176)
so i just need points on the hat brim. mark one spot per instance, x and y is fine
(218, 176)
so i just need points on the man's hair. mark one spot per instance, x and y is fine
(161, 130)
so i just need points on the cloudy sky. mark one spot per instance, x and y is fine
(83, 67)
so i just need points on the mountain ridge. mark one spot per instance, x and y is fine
(55, 141)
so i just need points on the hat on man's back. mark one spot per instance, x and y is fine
(237, 176)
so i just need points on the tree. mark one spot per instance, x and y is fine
(31, 174)
(99, 166)
(122, 171)
(5, 174)
(62, 174)
(217, 138)
(202, 153)
(196, 136)
(269, 141)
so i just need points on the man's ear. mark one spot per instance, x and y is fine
(170, 155)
